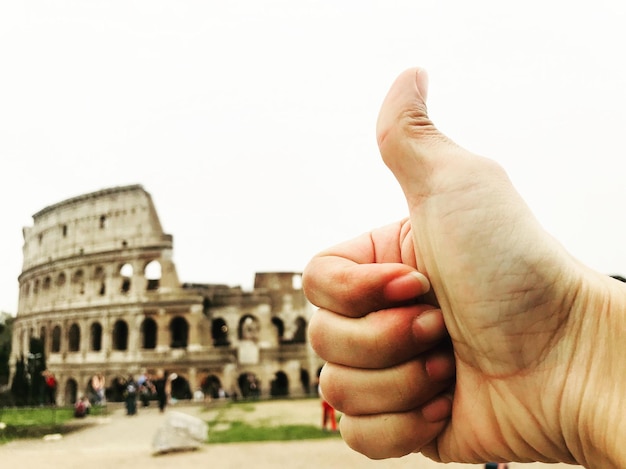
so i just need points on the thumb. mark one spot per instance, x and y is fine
(410, 144)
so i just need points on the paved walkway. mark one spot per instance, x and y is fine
(121, 442)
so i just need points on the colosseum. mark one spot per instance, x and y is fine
(99, 294)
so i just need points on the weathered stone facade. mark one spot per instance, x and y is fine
(100, 291)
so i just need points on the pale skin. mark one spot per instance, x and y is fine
(534, 371)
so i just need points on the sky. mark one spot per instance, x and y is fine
(252, 123)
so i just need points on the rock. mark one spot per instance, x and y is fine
(180, 432)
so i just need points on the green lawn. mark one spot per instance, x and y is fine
(35, 422)
(228, 423)
(228, 427)
(241, 432)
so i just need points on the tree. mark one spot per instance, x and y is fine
(36, 367)
(20, 386)
(6, 322)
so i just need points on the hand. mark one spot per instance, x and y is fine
(388, 357)
(533, 330)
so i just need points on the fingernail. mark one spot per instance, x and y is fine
(440, 366)
(438, 409)
(421, 81)
(429, 326)
(407, 287)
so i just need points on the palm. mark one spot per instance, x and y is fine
(493, 286)
(493, 309)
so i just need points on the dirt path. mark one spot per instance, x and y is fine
(121, 442)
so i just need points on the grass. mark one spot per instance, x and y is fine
(227, 427)
(228, 423)
(35, 422)
(243, 432)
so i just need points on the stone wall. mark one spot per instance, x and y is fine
(100, 292)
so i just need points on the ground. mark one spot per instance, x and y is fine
(122, 442)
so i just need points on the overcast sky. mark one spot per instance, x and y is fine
(252, 122)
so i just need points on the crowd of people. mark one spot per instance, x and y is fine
(143, 389)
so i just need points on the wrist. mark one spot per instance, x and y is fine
(595, 397)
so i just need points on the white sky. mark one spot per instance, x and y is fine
(252, 122)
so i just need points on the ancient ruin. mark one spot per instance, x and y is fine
(99, 293)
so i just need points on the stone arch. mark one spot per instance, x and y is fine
(61, 279)
(152, 272)
(120, 335)
(249, 385)
(78, 282)
(56, 339)
(99, 277)
(249, 328)
(180, 388)
(299, 336)
(179, 332)
(219, 332)
(43, 332)
(95, 337)
(280, 327)
(126, 272)
(305, 381)
(73, 338)
(211, 386)
(280, 384)
(149, 331)
(71, 391)
(47, 282)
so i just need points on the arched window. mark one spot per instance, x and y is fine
(180, 388)
(249, 328)
(120, 335)
(211, 386)
(56, 339)
(280, 384)
(74, 338)
(299, 337)
(47, 281)
(42, 337)
(95, 336)
(249, 385)
(60, 279)
(99, 278)
(280, 327)
(152, 273)
(126, 272)
(179, 332)
(78, 282)
(71, 391)
(148, 334)
(219, 333)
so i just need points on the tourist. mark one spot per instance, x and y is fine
(98, 386)
(50, 382)
(82, 407)
(161, 388)
(130, 396)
